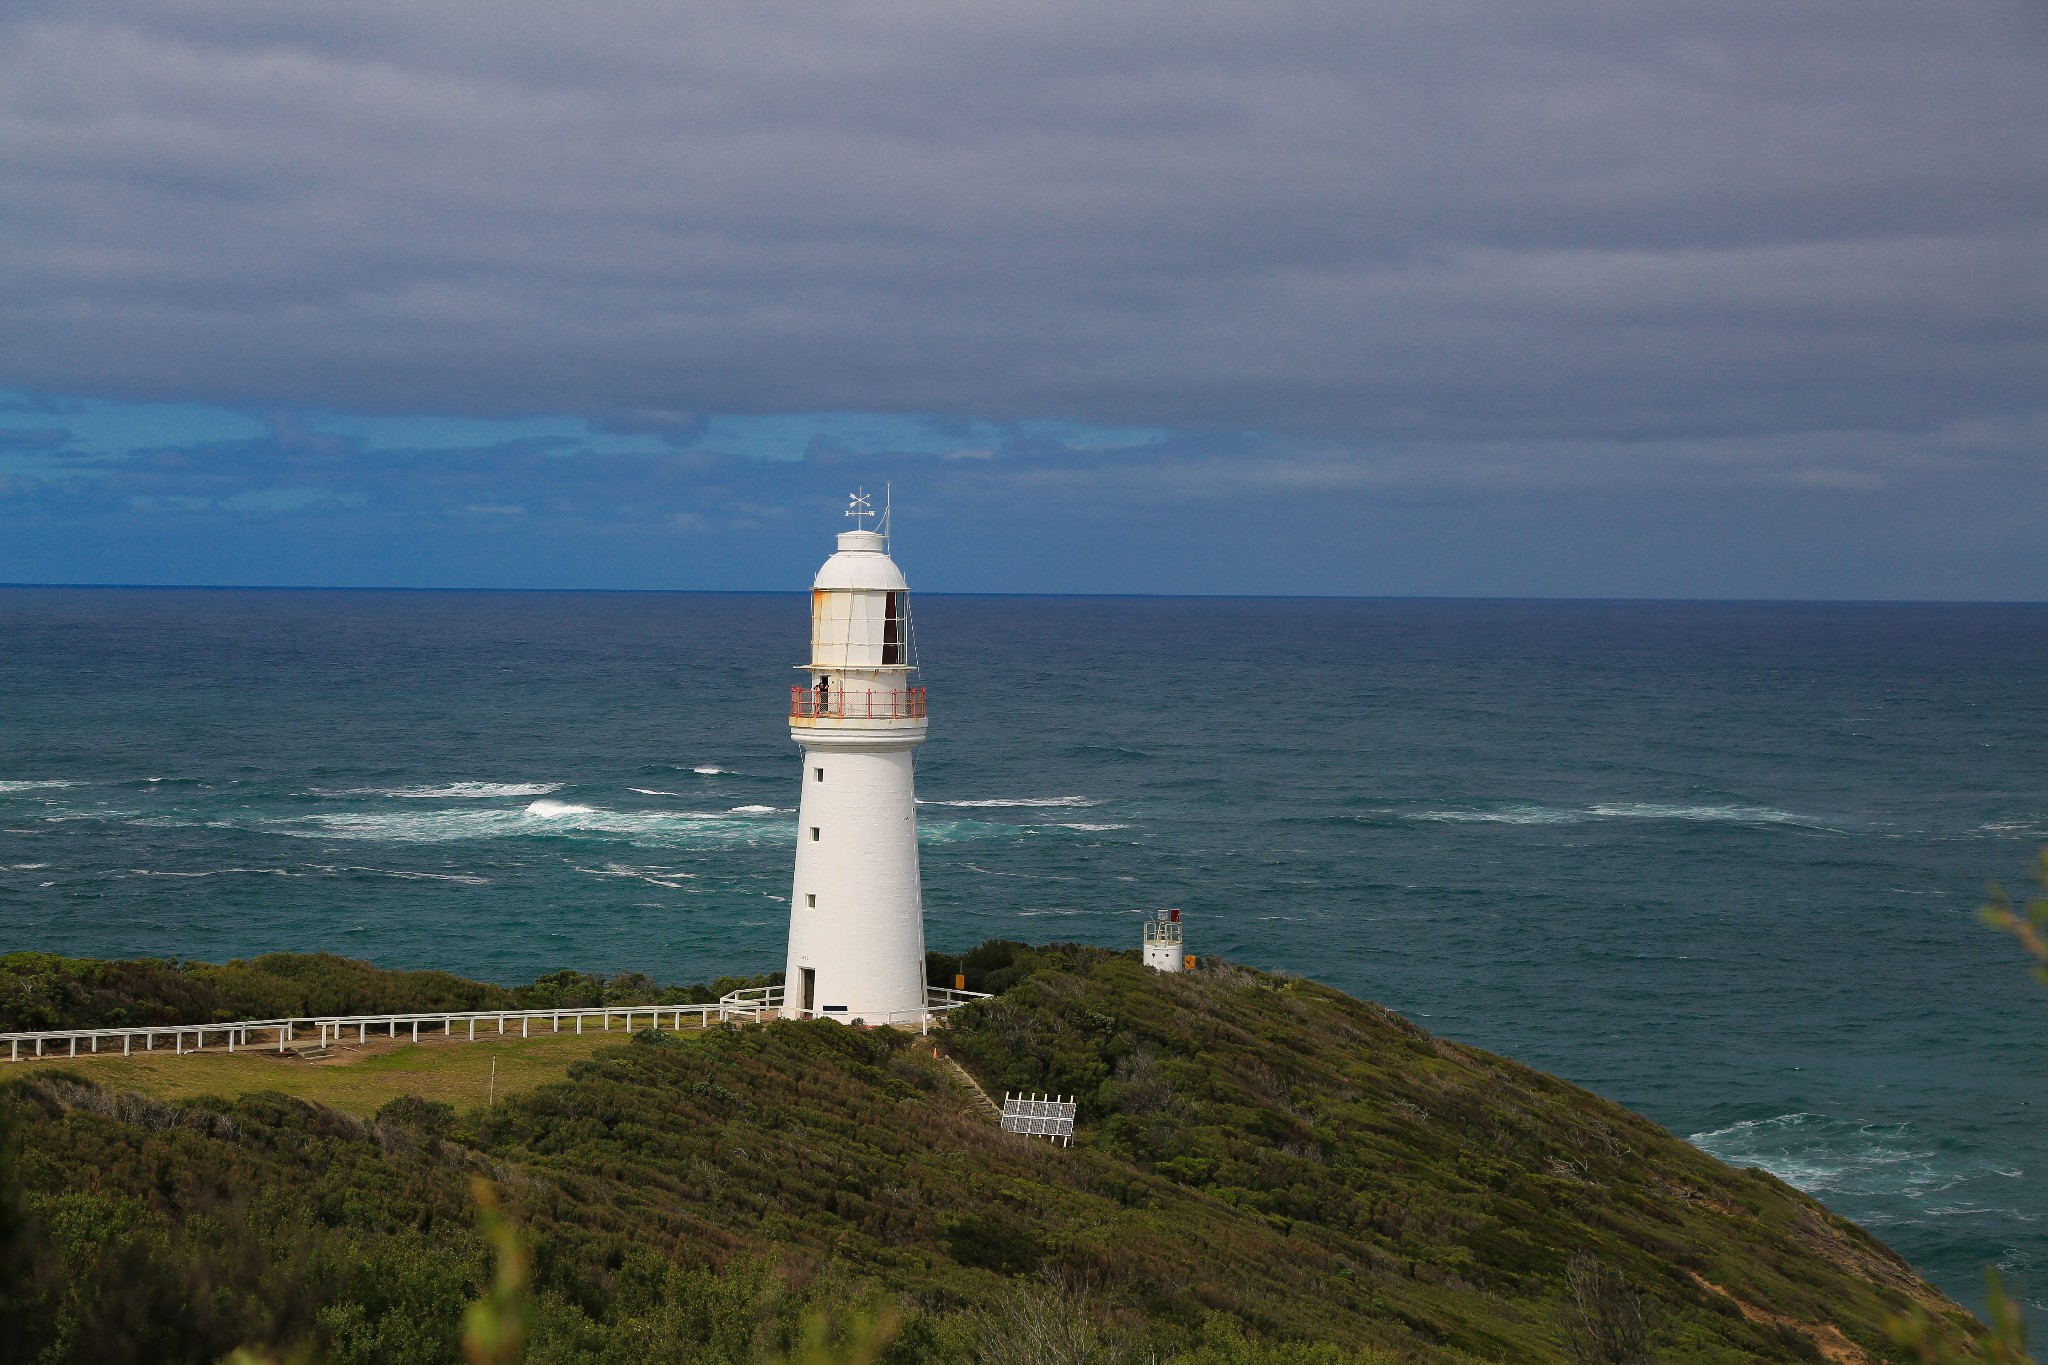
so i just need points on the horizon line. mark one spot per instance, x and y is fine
(1080, 596)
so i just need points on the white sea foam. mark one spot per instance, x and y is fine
(557, 810)
(648, 791)
(708, 771)
(32, 786)
(408, 875)
(458, 791)
(753, 810)
(27, 867)
(538, 819)
(1824, 1155)
(1533, 814)
(1090, 828)
(1745, 815)
(1007, 802)
(1504, 815)
(653, 876)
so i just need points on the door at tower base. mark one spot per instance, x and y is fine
(856, 928)
(856, 911)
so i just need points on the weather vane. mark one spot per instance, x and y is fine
(859, 507)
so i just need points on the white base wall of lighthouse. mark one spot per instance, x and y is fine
(856, 918)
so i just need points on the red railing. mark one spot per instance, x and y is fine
(809, 703)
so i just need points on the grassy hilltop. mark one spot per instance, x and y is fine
(1268, 1171)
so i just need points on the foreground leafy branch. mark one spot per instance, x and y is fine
(2007, 1344)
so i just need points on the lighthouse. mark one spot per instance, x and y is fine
(1164, 951)
(856, 908)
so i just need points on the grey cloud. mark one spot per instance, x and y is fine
(1356, 222)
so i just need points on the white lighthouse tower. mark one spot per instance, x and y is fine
(856, 908)
(1164, 951)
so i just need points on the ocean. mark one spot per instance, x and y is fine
(1718, 861)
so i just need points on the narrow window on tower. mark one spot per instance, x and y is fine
(814, 834)
(892, 633)
(820, 772)
(810, 900)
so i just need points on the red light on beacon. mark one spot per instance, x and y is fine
(1174, 916)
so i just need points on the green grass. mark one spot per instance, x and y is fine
(1259, 1158)
(454, 1072)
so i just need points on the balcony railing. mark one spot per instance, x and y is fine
(808, 703)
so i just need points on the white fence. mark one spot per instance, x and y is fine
(751, 1006)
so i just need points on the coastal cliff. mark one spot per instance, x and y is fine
(1266, 1170)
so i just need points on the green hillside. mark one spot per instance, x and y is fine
(1268, 1170)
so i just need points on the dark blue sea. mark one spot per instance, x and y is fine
(1720, 862)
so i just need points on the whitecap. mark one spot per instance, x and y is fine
(1006, 802)
(647, 791)
(538, 819)
(753, 810)
(1747, 815)
(32, 786)
(1824, 1155)
(1090, 828)
(27, 867)
(1504, 815)
(556, 810)
(708, 771)
(462, 791)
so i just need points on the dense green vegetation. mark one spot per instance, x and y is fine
(44, 991)
(1268, 1171)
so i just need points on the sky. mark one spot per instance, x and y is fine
(1559, 298)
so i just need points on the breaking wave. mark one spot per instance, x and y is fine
(539, 819)
(1829, 1156)
(1741, 815)
(1501, 815)
(457, 791)
(1528, 813)
(1014, 802)
(557, 810)
(32, 786)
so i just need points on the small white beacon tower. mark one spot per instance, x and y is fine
(1163, 950)
(856, 907)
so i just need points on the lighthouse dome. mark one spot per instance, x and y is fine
(861, 564)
